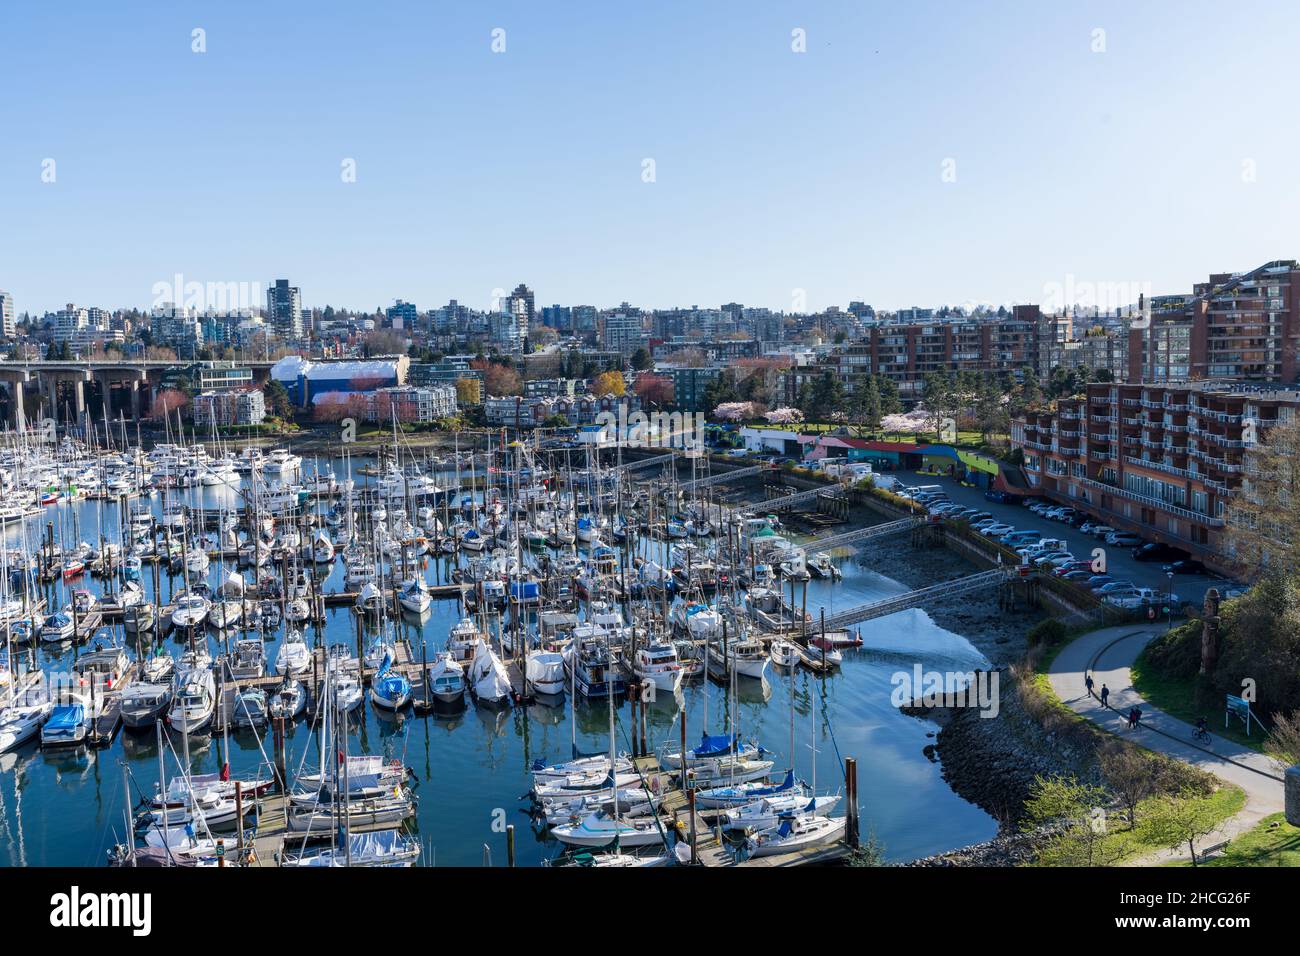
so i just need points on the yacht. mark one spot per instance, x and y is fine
(658, 663)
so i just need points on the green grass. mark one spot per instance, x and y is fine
(1272, 842)
(1176, 696)
(1127, 845)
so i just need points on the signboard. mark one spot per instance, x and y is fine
(1238, 707)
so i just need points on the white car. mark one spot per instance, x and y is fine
(1143, 597)
(995, 530)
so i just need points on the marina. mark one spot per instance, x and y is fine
(466, 641)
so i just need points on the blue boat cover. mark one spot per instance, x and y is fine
(717, 744)
(68, 717)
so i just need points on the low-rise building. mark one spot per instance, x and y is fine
(225, 407)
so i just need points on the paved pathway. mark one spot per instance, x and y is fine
(1107, 654)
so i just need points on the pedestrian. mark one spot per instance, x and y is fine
(1087, 678)
(1132, 718)
(1105, 696)
(1137, 717)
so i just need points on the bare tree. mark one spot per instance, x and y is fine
(1128, 775)
(1263, 528)
(1283, 741)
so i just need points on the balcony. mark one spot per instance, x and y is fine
(1156, 503)
(1159, 466)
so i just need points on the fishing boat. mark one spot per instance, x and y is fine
(193, 705)
(590, 667)
(796, 833)
(784, 653)
(297, 610)
(746, 657)
(143, 703)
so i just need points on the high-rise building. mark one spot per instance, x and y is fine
(284, 309)
(623, 333)
(520, 302)
(402, 315)
(8, 324)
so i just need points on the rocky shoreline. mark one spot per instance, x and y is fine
(998, 632)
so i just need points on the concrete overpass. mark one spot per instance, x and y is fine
(43, 389)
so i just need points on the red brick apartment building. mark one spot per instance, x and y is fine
(1162, 461)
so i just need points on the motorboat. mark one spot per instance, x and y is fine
(190, 612)
(545, 672)
(658, 664)
(599, 828)
(288, 701)
(784, 653)
(293, 658)
(248, 658)
(768, 812)
(67, 725)
(194, 703)
(446, 679)
(250, 708)
(143, 703)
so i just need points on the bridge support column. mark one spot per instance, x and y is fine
(136, 411)
(20, 412)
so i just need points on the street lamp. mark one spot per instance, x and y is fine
(1169, 599)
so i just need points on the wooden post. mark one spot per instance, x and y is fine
(851, 794)
(690, 799)
(684, 786)
(239, 817)
(510, 845)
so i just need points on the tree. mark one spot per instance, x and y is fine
(498, 379)
(1283, 741)
(1128, 775)
(641, 359)
(167, 401)
(1071, 819)
(609, 383)
(1181, 820)
(654, 389)
(277, 400)
(1263, 521)
(469, 391)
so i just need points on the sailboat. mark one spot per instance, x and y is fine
(390, 689)
(488, 679)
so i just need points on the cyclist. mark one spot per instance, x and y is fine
(1202, 728)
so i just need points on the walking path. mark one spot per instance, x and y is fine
(1107, 655)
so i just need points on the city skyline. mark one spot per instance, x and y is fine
(901, 159)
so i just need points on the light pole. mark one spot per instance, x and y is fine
(1169, 599)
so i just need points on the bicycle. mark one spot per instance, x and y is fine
(1201, 735)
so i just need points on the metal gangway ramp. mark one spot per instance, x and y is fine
(980, 581)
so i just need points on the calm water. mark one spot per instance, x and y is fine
(66, 808)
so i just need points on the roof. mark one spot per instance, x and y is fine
(291, 367)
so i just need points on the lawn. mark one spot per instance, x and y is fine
(1272, 842)
(1177, 698)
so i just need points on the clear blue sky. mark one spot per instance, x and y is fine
(775, 170)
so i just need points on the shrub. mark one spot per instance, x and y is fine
(1047, 632)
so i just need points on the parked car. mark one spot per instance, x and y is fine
(1082, 565)
(1097, 580)
(1123, 539)
(1001, 497)
(978, 516)
(982, 523)
(1142, 597)
(1098, 530)
(1020, 539)
(1080, 576)
(1158, 551)
(996, 530)
(1055, 560)
(1116, 587)
(1187, 566)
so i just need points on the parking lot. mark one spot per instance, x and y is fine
(1119, 561)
